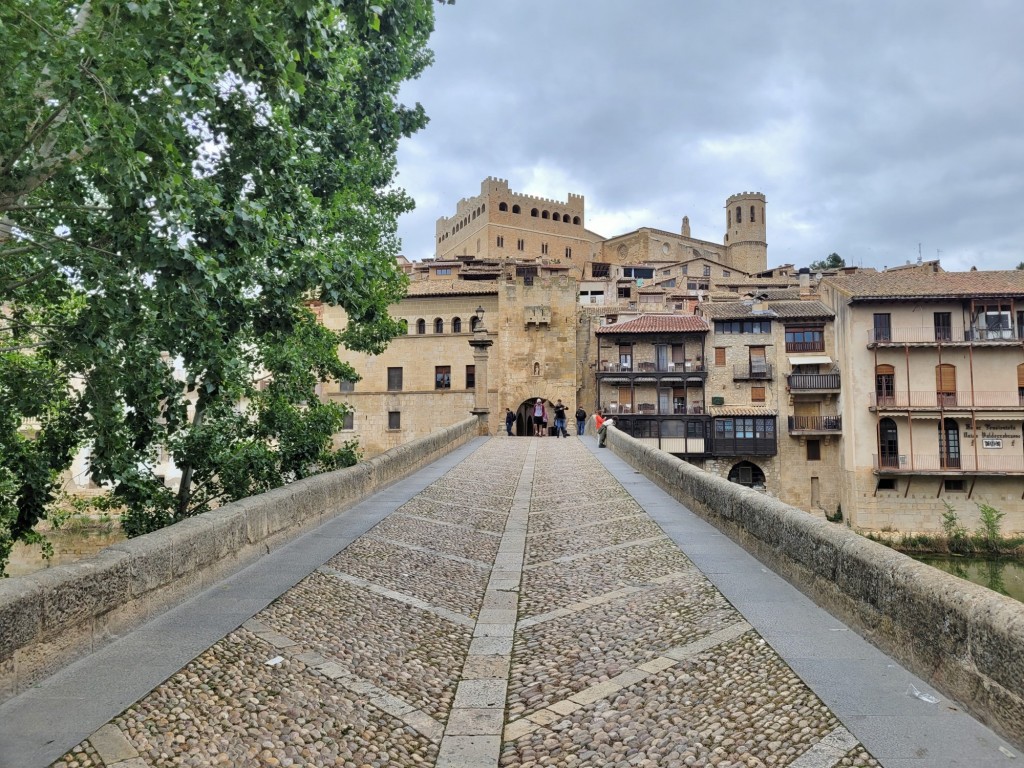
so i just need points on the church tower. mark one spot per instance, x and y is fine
(746, 244)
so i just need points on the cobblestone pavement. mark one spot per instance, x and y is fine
(521, 611)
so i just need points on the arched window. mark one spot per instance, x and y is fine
(747, 473)
(888, 445)
(473, 322)
(728, 217)
(949, 444)
(534, 213)
(405, 326)
(516, 209)
(438, 325)
(739, 214)
(752, 214)
(555, 216)
(502, 206)
(885, 385)
(421, 326)
(945, 384)
(545, 215)
(575, 219)
(456, 325)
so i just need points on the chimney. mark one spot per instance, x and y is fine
(805, 282)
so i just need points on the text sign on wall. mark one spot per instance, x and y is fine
(987, 442)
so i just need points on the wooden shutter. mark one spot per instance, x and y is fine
(945, 378)
(1020, 376)
(719, 355)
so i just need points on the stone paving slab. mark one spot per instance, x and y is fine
(517, 633)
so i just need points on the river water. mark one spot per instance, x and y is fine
(1003, 576)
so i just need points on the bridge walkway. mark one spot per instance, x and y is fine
(521, 602)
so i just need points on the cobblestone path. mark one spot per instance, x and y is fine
(521, 611)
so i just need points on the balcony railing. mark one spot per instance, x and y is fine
(816, 424)
(929, 400)
(938, 463)
(925, 334)
(650, 409)
(647, 367)
(805, 381)
(754, 371)
(745, 446)
(805, 346)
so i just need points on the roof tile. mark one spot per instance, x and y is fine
(657, 324)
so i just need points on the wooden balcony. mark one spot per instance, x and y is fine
(815, 425)
(813, 382)
(938, 464)
(932, 401)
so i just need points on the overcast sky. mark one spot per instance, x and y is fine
(871, 126)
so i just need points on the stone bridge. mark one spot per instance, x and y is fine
(467, 601)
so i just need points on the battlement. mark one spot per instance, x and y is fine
(746, 196)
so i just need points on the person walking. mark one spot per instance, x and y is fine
(581, 420)
(540, 417)
(510, 419)
(560, 417)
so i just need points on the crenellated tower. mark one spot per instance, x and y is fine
(746, 228)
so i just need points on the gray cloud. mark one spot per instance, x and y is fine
(871, 127)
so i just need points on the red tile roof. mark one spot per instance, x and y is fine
(909, 284)
(657, 324)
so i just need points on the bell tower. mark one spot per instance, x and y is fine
(746, 227)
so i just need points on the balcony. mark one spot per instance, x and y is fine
(929, 335)
(813, 382)
(648, 367)
(805, 346)
(745, 446)
(815, 425)
(938, 464)
(933, 401)
(754, 371)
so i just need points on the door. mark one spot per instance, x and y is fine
(664, 401)
(807, 415)
(945, 385)
(885, 385)
(949, 444)
(661, 357)
(888, 444)
(758, 363)
(882, 326)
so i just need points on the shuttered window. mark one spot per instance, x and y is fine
(719, 355)
(945, 378)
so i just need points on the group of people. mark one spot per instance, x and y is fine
(538, 420)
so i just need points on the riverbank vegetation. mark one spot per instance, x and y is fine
(987, 540)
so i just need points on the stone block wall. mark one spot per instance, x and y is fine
(965, 640)
(49, 619)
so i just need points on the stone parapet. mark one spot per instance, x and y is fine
(963, 639)
(50, 618)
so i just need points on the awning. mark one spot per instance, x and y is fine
(1012, 418)
(810, 360)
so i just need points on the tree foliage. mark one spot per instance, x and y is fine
(830, 262)
(179, 182)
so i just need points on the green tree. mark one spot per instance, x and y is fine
(830, 262)
(179, 181)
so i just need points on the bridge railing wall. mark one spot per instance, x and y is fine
(965, 640)
(52, 617)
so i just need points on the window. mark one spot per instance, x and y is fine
(707, 270)
(501, 241)
(886, 484)
(626, 357)
(348, 421)
(726, 273)
(888, 444)
(758, 362)
(438, 325)
(743, 326)
(394, 419)
(953, 485)
(502, 206)
(544, 249)
(456, 325)
(470, 377)
(599, 270)
(747, 473)
(810, 339)
(520, 244)
(405, 326)
(882, 326)
(719, 356)
(646, 273)
(394, 379)
(421, 326)
(443, 270)
(814, 450)
(442, 377)
(751, 214)
(943, 326)
(568, 253)
(346, 386)
(885, 385)
(757, 394)
(1020, 382)
(624, 291)
(686, 269)
(945, 384)
(473, 322)
(516, 209)
(534, 213)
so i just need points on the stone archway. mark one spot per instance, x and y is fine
(747, 473)
(524, 415)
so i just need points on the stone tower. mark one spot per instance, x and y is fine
(746, 244)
